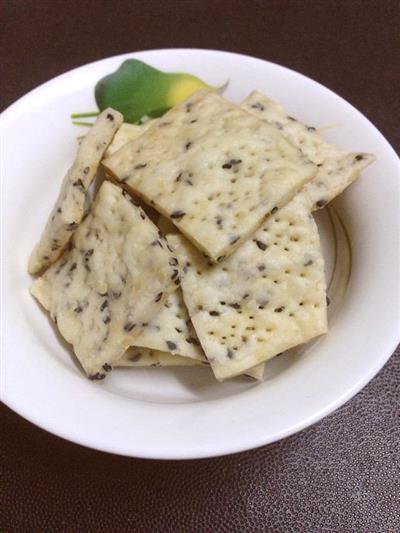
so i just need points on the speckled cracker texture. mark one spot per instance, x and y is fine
(336, 169)
(171, 330)
(269, 296)
(70, 205)
(126, 133)
(143, 357)
(213, 169)
(115, 276)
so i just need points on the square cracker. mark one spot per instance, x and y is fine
(69, 209)
(214, 169)
(337, 169)
(115, 275)
(269, 296)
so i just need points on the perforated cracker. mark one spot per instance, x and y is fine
(269, 296)
(213, 169)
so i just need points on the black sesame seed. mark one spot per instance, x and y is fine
(158, 297)
(171, 345)
(229, 353)
(177, 214)
(274, 210)
(222, 303)
(213, 313)
(261, 244)
(311, 128)
(175, 273)
(279, 309)
(97, 377)
(72, 226)
(107, 367)
(319, 164)
(115, 295)
(226, 165)
(129, 326)
(220, 258)
(72, 267)
(59, 210)
(321, 203)
(308, 263)
(261, 268)
(110, 117)
(107, 320)
(140, 165)
(177, 281)
(89, 252)
(193, 121)
(86, 170)
(259, 106)
(292, 119)
(188, 145)
(178, 330)
(328, 300)
(359, 157)
(235, 305)
(104, 305)
(78, 309)
(178, 177)
(78, 183)
(173, 261)
(233, 240)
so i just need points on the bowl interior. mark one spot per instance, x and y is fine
(301, 385)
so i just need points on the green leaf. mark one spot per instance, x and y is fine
(137, 89)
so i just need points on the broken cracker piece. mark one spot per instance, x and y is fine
(69, 209)
(115, 275)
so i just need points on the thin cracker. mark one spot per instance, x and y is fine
(213, 169)
(337, 169)
(144, 357)
(69, 209)
(115, 275)
(269, 296)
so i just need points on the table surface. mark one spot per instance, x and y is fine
(342, 474)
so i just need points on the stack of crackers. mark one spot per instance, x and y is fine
(229, 275)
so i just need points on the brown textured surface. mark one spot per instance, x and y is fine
(341, 475)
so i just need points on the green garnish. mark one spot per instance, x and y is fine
(137, 89)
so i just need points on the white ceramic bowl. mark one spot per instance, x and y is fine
(184, 413)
